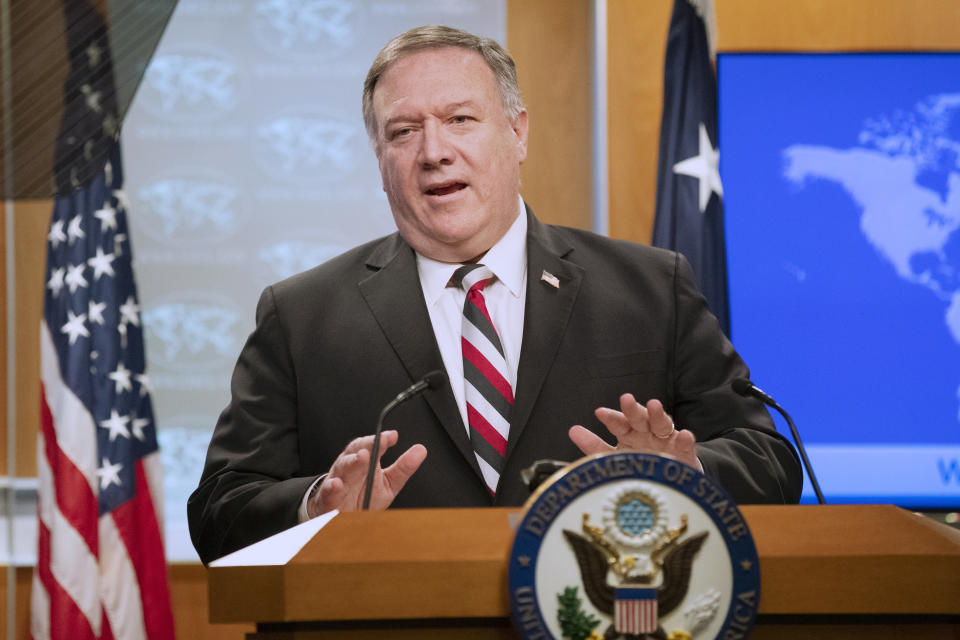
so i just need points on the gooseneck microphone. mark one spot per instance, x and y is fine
(432, 380)
(744, 387)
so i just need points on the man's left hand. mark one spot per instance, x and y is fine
(644, 428)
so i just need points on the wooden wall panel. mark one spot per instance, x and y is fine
(636, 39)
(38, 70)
(32, 218)
(21, 607)
(188, 586)
(551, 42)
(829, 25)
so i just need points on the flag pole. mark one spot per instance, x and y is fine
(11, 319)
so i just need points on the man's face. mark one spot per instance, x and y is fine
(449, 157)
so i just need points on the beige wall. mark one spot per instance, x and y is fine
(636, 38)
(31, 218)
(552, 44)
(551, 41)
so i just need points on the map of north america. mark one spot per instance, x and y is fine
(904, 177)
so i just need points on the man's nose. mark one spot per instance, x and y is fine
(435, 149)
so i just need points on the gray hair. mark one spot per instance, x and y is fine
(435, 37)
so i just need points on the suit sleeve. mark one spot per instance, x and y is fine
(249, 489)
(737, 442)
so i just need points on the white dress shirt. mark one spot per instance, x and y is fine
(505, 298)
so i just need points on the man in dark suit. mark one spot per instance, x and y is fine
(579, 322)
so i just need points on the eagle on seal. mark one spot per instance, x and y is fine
(595, 561)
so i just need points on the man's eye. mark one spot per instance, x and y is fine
(401, 133)
(460, 119)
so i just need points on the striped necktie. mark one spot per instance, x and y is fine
(488, 391)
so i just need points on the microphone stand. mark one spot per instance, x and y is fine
(430, 381)
(375, 450)
(744, 387)
(802, 450)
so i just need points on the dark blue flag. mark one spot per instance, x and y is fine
(689, 213)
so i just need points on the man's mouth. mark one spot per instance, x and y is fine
(446, 188)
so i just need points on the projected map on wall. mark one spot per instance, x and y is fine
(841, 178)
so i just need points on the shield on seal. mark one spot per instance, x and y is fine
(635, 610)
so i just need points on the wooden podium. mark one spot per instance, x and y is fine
(847, 572)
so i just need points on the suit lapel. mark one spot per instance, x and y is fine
(394, 283)
(395, 298)
(548, 309)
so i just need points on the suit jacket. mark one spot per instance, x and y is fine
(334, 344)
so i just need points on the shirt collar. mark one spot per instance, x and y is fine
(507, 259)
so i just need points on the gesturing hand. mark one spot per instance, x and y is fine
(635, 426)
(345, 482)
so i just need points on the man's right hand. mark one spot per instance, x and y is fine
(344, 484)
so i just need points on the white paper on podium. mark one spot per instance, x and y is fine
(277, 549)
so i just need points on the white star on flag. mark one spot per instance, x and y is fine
(110, 128)
(118, 240)
(144, 381)
(101, 263)
(129, 312)
(121, 197)
(705, 167)
(75, 327)
(56, 281)
(109, 474)
(93, 54)
(121, 378)
(95, 311)
(56, 235)
(73, 229)
(137, 427)
(92, 98)
(117, 424)
(107, 216)
(75, 277)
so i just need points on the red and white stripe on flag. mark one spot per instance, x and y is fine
(97, 577)
(635, 610)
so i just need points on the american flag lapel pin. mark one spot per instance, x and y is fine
(550, 279)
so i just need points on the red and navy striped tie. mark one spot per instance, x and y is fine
(489, 393)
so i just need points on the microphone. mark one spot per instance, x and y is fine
(432, 380)
(744, 387)
(534, 475)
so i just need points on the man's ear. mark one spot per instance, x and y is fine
(521, 128)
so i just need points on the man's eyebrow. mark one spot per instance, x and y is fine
(460, 105)
(449, 108)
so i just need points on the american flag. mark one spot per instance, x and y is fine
(635, 610)
(101, 571)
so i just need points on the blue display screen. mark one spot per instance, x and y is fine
(841, 176)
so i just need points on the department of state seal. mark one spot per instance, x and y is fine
(632, 545)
